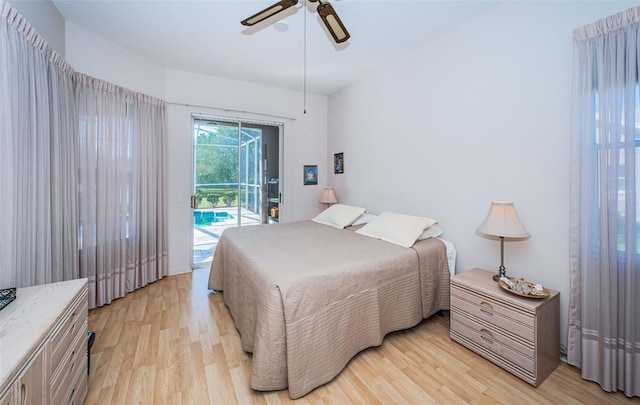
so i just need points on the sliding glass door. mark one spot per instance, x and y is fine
(228, 179)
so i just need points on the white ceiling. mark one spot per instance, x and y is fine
(206, 36)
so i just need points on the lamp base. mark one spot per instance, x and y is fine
(502, 272)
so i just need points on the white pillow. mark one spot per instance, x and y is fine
(364, 219)
(339, 215)
(400, 229)
(431, 232)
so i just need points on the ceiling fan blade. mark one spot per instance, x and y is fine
(333, 23)
(268, 12)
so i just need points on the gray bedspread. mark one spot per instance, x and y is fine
(306, 297)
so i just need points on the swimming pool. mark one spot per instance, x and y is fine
(210, 217)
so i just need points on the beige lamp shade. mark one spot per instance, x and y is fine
(328, 196)
(502, 221)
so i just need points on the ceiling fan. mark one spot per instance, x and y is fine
(325, 10)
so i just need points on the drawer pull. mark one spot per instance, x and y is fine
(23, 394)
(72, 360)
(486, 336)
(486, 308)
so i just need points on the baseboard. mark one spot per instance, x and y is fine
(179, 270)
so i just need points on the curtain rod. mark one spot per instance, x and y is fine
(231, 110)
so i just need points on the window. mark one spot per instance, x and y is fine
(614, 162)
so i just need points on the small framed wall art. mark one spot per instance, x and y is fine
(310, 175)
(338, 163)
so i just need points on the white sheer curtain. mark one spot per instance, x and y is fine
(122, 189)
(103, 165)
(83, 173)
(147, 242)
(38, 214)
(604, 312)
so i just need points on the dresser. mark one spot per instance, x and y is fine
(518, 334)
(43, 345)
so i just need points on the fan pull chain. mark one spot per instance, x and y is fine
(305, 61)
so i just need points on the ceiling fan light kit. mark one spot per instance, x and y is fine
(281, 26)
(326, 12)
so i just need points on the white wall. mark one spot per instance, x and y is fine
(46, 19)
(304, 143)
(90, 54)
(481, 114)
(304, 134)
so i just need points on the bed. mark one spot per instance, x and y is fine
(307, 297)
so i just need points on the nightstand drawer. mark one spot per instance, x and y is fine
(492, 341)
(490, 334)
(494, 313)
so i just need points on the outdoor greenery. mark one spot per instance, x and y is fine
(216, 171)
(216, 168)
(211, 197)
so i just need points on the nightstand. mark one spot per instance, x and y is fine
(518, 334)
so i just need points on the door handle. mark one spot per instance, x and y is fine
(193, 202)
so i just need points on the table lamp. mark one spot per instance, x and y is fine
(328, 197)
(502, 221)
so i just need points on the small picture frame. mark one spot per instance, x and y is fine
(338, 163)
(310, 175)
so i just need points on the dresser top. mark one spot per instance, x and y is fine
(26, 320)
(481, 281)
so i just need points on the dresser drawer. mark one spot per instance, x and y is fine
(46, 329)
(72, 324)
(76, 392)
(71, 363)
(509, 319)
(494, 343)
(79, 389)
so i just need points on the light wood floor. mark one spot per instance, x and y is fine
(174, 342)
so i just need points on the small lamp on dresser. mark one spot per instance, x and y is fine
(503, 222)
